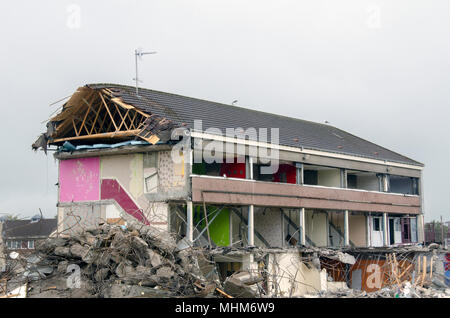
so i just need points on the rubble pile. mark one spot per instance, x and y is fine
(117, 261)
(404, 290)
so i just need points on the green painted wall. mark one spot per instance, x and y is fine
(219, 229)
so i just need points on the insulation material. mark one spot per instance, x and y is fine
(111, 189)
(79, 179)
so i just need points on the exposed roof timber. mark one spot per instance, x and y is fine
(97, 114)
(128, 133)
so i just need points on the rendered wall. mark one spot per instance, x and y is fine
(79, 179)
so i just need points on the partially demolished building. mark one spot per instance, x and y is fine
(173, 163)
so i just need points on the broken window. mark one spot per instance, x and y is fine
(363, 180)
(151, 172)
(404, 185)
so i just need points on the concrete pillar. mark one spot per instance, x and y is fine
(250, 167)
(385, 230)
(190, 222)
(299, 173)
(368, 231)
(343, 178)
(385, 183)
(302, 227)
(251, 234)
(346, 231)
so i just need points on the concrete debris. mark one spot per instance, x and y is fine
(115, 261)
(243, 285)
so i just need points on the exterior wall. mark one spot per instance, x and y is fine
(79, 179)
(357, 230)
(316, 227)
(100, 189)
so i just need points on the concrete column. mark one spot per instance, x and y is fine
(190, 222)
(385, 230)
(346, 231)
(368, 231)
(385, 183)
(299, 173)
(302, 227)
(250, 168)
(250, 223)
(343, 178)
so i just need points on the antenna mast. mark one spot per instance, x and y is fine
(139, 53)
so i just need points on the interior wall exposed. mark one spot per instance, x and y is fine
(316, 227)
(329, 178)
(357, 228)
(268, 222)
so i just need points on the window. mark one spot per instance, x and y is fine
(31, 245)
(24, 244)
(376, 224)
(310, 177)
(151, 172)
(397, 225)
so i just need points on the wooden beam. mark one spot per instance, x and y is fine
(102, 135)
(107, 108)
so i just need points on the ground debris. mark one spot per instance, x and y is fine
(129, 260)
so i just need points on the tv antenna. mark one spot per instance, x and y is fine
(138, 54)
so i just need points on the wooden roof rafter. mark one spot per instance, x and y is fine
(97, 114)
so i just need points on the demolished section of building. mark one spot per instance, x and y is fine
(137, 155)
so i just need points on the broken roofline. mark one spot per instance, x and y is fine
(164, 109)
(97, 114)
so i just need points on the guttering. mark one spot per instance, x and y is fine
(201, 135)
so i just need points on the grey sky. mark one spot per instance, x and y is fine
(378, 69)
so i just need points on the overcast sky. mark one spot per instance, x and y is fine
(377, 69)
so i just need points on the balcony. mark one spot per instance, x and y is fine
(235, 191)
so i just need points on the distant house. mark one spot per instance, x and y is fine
(21, 235)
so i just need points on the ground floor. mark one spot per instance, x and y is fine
(276, 227)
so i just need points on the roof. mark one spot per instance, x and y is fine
(293, 132)
(28, 229)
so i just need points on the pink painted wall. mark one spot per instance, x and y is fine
(79, 179)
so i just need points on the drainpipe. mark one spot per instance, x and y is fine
(251, 234)
(302, 227)
(346, 231)
(190, 222)
(385, 230)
